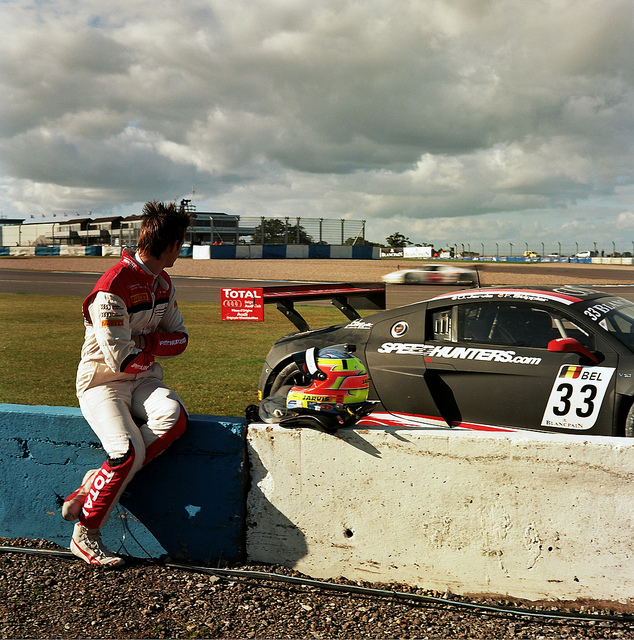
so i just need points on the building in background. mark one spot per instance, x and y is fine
(208, 228)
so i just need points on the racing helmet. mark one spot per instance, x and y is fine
(337, 382)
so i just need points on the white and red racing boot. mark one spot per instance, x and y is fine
(75, 501)
(86, 544)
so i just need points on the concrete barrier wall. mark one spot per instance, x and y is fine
(187, 504)
(523, 515)
(214, 252)
(59, 250)
(281, 251)
(517, 514)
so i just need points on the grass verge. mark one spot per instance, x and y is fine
(217, 375)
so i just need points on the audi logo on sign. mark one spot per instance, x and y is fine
(233, 303)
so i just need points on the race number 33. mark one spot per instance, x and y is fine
(576, 397)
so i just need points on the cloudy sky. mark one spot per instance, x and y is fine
(463, 121)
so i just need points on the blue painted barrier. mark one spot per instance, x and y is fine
(274, 251)
(362, 253)
(318, 251)
(47, 251)
(223, 252)
(187, 504)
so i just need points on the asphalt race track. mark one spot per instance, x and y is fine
(207, 289)
(81, 284)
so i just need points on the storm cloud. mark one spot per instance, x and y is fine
(447, 120)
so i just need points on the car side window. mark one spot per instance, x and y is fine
(442, 325)
(515, 325)
(475, 322)
(523, 326)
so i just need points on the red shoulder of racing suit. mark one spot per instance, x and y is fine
(135, 287)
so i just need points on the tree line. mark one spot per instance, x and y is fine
(275, 231)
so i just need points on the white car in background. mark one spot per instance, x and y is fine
(432, 274)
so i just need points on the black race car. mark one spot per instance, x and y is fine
(556, 359)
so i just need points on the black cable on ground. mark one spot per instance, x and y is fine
(401, 595)
(355, 590)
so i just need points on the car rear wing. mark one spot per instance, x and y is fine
(370, 296)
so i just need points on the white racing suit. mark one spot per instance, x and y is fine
(119, 386)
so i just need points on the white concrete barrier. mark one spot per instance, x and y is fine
(22, 251)
(249, 251)
(201, 252)
(72, 250)
(110, 250)
(341, 252)
(612, 260)
(297, 251)
(517, 514)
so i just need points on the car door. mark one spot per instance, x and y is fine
(395, 356)
(496, 370)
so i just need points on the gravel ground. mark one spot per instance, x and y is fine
(50, 597)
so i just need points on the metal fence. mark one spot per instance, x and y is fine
(618, 248)
(265, 230)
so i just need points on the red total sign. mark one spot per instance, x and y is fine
(242, 304)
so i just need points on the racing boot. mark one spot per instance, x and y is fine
(87, 545)
(74, 502)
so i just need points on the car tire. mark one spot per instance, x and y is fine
(629, 423)
(289, 375)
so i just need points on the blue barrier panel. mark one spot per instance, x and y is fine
(223, 251)
(187, 504)
(5, 251)
(274, 251)
(47, 251)
(319, 251)
(186, 252)
(93, 251)
(362, 253)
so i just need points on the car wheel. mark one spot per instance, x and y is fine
(629, 423)
(289, 375)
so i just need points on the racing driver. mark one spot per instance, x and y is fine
(131, 319)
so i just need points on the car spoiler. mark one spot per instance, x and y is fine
(339, 294)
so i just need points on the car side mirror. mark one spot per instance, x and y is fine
(571, 345)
